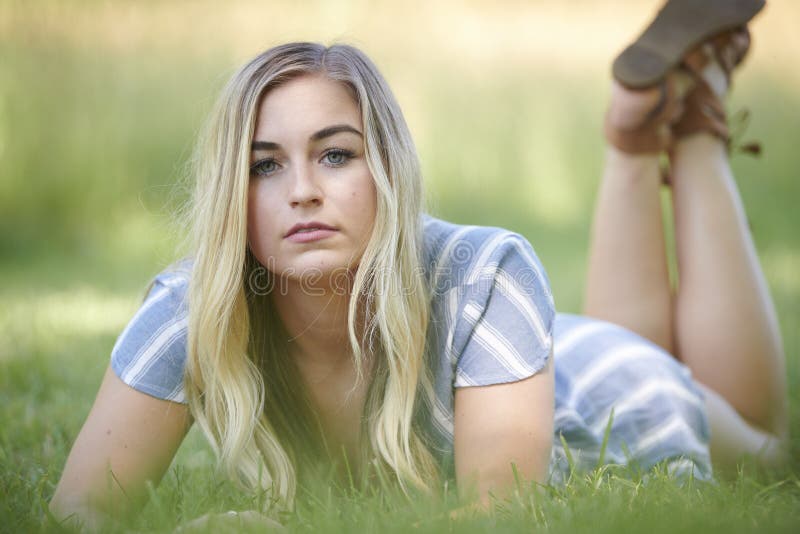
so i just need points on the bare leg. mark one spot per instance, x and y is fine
(725, 327)
(627, 280)
(733, 438)
(725, 324)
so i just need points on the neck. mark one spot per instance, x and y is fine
(315, 319)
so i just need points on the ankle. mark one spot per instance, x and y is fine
(635, 167)
(701, 143)
(697, 158)
(644, 160)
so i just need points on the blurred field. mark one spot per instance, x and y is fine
(100, 102)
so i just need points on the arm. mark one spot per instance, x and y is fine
(128, 439)
(502, 424)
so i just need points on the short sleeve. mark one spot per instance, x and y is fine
(150, 354)
(508, 312)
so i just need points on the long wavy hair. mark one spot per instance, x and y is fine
(244, 391)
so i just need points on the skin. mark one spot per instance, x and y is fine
(127, 433)
(722, 306)
(308, 164)
(306, 186)
(492, 434)
(720, 321)
(300, 175)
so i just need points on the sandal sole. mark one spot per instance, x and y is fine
(677, 28)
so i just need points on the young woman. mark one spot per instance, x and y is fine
(322, 318)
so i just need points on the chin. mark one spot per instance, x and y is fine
(317, 271)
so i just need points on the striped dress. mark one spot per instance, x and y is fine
(493, 321)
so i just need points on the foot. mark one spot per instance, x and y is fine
(639, 121)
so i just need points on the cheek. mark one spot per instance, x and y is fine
(363, 206)
(365, 196)
(360, 193)
(260, 201)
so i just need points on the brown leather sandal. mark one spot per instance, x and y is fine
(679, 26)
(704, 111)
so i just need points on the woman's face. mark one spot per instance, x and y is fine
(311, 201)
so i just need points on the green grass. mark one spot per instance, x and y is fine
(92, 143)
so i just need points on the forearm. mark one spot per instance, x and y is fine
(497, 479)
(126, 443)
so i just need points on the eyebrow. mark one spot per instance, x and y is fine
(333, 130)
(316, 136)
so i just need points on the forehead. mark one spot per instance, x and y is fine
(305, 105)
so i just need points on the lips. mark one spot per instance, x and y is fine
(308, 227)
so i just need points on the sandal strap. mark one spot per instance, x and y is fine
(704, 111)
(721, 44)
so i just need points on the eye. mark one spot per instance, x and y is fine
(336, 157)
(264, 167)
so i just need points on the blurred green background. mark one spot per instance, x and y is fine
(100, 102)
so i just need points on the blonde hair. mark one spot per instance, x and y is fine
(241, 385)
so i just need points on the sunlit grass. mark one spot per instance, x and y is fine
(45, 321)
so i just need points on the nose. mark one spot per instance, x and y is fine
(304, 189)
